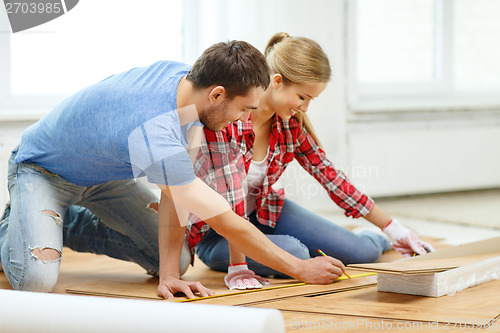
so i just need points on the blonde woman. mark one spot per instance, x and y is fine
(279, 131)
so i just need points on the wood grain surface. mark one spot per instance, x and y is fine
(480, 304)
(424, 266)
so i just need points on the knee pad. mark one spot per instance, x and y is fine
(185, 259)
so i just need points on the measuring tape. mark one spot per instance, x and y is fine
(269, 288)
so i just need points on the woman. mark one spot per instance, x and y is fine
(279, 131)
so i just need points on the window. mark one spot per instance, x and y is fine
(92, 41)
(406, 54)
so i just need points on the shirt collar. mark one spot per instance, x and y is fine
(245, 128)
(277, 124)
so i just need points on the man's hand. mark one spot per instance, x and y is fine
(405, 241)
(321, 270)
(171, 285)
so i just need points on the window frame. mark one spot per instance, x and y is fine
(438, 95)
(29, 106)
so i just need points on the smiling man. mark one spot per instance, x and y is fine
(89, 151)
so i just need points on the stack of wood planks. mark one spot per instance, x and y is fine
(443, 272)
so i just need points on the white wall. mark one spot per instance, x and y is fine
(406, 160)
(10, 134)
(384, 153)
(321, 20)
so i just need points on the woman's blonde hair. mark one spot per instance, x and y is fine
(298, 60)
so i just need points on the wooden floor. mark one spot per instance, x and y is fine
(346, 306)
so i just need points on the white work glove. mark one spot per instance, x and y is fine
(404, 240)
(240, 277)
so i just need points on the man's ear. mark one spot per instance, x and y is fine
(216, 94)
(276, 81)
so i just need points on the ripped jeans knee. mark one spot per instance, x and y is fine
(46, 254)
(56, 217)
(43, 263)
(42, 270)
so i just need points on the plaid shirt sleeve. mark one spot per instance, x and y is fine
(221, 165)
(343, 193)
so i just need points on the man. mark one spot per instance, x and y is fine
(89, 150)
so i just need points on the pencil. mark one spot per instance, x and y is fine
(323, 254)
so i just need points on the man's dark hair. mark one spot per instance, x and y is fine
(235, 65)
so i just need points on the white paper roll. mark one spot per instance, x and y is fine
(39, 312)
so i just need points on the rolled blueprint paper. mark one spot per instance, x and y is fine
(53, 313)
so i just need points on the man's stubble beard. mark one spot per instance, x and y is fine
(213, 118)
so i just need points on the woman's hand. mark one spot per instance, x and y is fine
(240, 277)
(405, 241)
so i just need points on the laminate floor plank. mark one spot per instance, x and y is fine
(424, 266)
(479, 304)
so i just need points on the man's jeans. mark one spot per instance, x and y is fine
(301, 233)
(47, 212)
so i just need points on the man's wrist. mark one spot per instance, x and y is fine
(169, 275)
(296, 268)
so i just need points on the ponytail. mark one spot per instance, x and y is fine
(298, 60)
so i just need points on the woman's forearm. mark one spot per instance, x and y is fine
(236, 256)
(378, 217)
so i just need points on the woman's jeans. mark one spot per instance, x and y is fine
(301, 233)
(47, 212)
